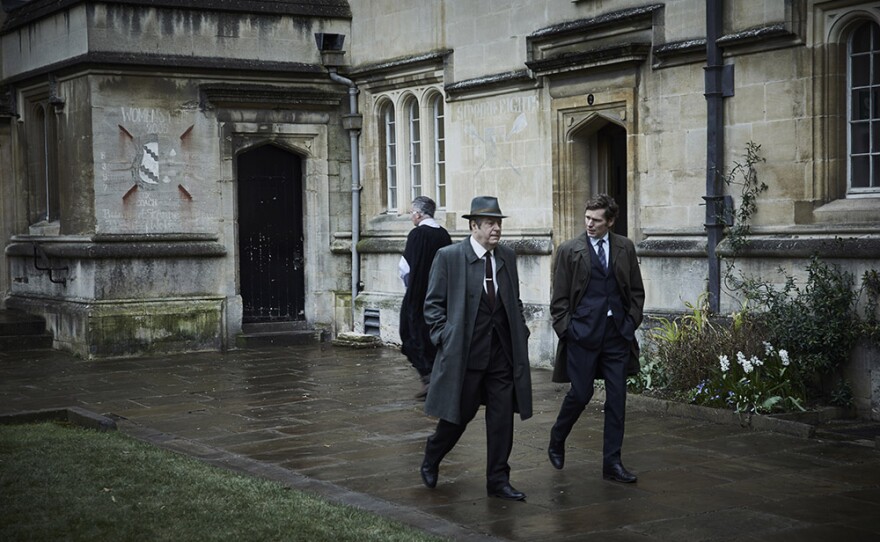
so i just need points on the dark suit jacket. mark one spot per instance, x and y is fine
(570, 280)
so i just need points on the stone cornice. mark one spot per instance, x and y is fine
(490, 84)
(762, 38)
(124, 246)
(280, 97)
(767, 246)
(431, 59)
(616, 39)
(626, 53)
(581, 26)
(335, 9)
(860, 248)
(166, 63)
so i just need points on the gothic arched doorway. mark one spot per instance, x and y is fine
(270, 235)
(595, 162)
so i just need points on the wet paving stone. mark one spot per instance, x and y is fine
(345, 422)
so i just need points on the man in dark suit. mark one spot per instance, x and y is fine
(475, 316)
(422, 244)
(596, 308)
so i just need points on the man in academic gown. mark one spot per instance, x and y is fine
(422, 244)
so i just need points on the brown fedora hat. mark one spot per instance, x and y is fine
(484, 206)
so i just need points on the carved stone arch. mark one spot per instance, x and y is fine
(381, 102)
(830, 179)
(405, 98)
(434, 145)
(840, 27)
(285, 144)
(593, 121)
(426, 94)
(376, 198)
(592, 159)
(410, 150)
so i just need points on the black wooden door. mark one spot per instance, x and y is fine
(270, 235)
(614, 137)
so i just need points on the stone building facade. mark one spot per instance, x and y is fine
(143, 144)
(150, 111)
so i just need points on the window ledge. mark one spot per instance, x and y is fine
(52, 229)
(849, 211)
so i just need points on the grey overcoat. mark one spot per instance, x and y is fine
(455, 286)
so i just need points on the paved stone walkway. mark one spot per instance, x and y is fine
(342, 423)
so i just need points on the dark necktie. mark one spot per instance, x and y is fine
(490, 283)
(601, 252)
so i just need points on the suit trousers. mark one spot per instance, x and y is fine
(609, 360)
(494, 386)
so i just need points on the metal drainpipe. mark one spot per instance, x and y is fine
(714, 148)
(353, 124)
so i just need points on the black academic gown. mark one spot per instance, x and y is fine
(422, 244)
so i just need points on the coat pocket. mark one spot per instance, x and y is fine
(578, 329)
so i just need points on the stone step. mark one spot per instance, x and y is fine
(20, 331)
(21, 343)
(268, 327)
(261, 334)
(15, 322)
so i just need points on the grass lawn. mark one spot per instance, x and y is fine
(67, 483)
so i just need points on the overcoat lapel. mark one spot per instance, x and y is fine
(617, 262)
(503, 278)
(582, 275)
(476, 274)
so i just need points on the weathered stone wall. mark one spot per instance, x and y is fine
(157, 157)
(145, 255)
(530, 87)
(638, 66)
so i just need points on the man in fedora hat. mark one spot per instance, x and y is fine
(475, 316)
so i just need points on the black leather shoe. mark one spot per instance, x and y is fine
(617, 473)
(429, 475)
(556, 452)
(507, 492)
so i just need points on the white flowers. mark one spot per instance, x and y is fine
(746, 364)
(751, 381)
(783, 356)
(749, 364)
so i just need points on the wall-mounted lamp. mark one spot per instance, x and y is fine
(329, 42)
(330, 46)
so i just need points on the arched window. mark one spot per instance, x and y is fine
(439, 137)
(43, 203)
(411, 154)
(389, 143)
(415, 148)
(863, 77)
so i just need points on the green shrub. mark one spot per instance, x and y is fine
(818, 324)
(783, 348)
(682, 347)
(780, 351)
(651, 376)
(686, 348)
